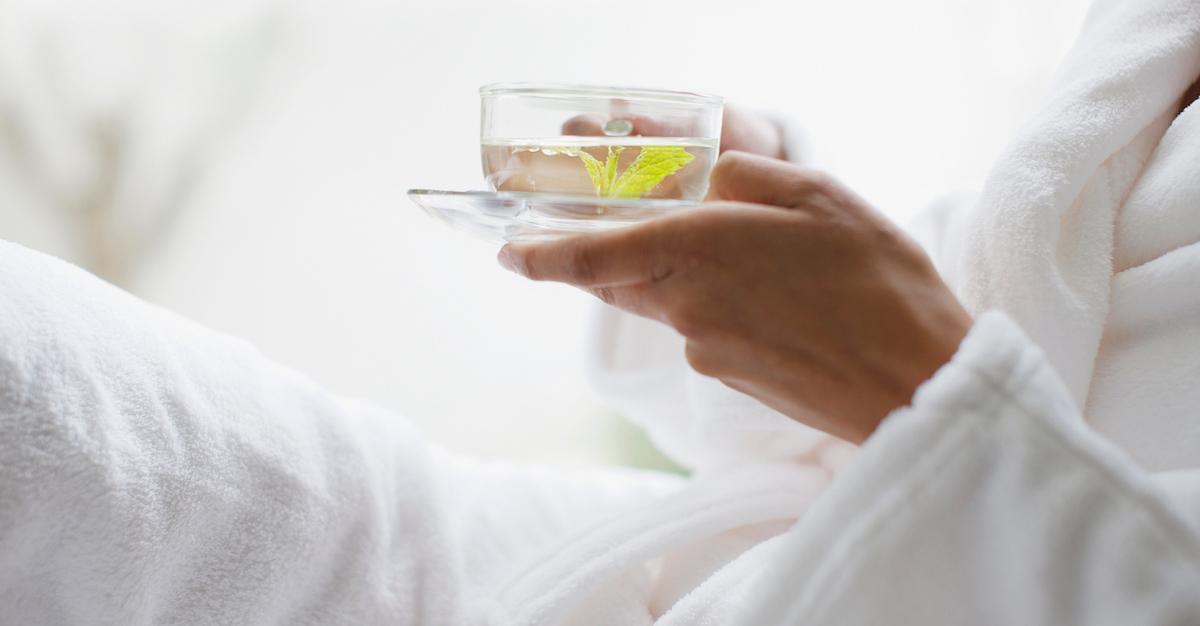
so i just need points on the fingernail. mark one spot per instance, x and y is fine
(510, 261)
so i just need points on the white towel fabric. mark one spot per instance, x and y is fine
(1005, 495)
(700, 423)
(1086, 231)
(153, 472)
(1100, 190)
(988, 503)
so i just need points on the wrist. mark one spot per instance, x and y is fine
(944, 334)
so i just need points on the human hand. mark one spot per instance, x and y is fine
(743, 131)
(789, 288)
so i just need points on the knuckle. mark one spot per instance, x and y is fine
(728, 160)
(530, 264)
(696, 230)
(897, 243)
(688, 322)
(817, 180)
(661, 271)
(734, 158)
(808, 184)
(726, 169)
(701, 360)
(728, 164)
(886, 235)
(583, 264)
(820, 195)
(605, 295)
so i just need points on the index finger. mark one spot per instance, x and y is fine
(623, 257)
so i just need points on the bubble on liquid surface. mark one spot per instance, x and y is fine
(618, 128)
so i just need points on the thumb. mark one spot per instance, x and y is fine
(744, 177)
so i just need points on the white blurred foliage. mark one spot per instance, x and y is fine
(294, 129)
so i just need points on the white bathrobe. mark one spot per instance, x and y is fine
(992, 499)
(153, 472)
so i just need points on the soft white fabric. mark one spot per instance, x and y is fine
(994, 499)
(989, 502)
(154, 472)
(1086, 232)
(158, 473)
(635, 569)
(699, 422)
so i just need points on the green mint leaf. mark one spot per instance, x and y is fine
(595, 169)
(652, 165)
(610, 171)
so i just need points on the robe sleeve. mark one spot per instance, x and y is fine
(155, 472)
(989, 501)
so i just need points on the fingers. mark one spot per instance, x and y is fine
(592, 125)
(742, 131)
(620, 258)
(743, 177)
(585, 125)
(637, 299)
(623, 269)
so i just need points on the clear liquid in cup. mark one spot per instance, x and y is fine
(606, 167)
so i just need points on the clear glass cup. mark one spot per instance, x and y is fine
(606, 142)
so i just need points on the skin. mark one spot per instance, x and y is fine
(742, 131)
(786, 285)
(1192, 94)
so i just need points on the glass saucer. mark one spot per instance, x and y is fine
(529, 216)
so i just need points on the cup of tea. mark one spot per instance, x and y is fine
(601, 142)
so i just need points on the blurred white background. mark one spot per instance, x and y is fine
(244, 163)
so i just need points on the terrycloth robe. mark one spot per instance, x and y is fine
(1012, 491)
(153, 472)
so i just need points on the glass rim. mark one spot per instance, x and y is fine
(567, 89)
